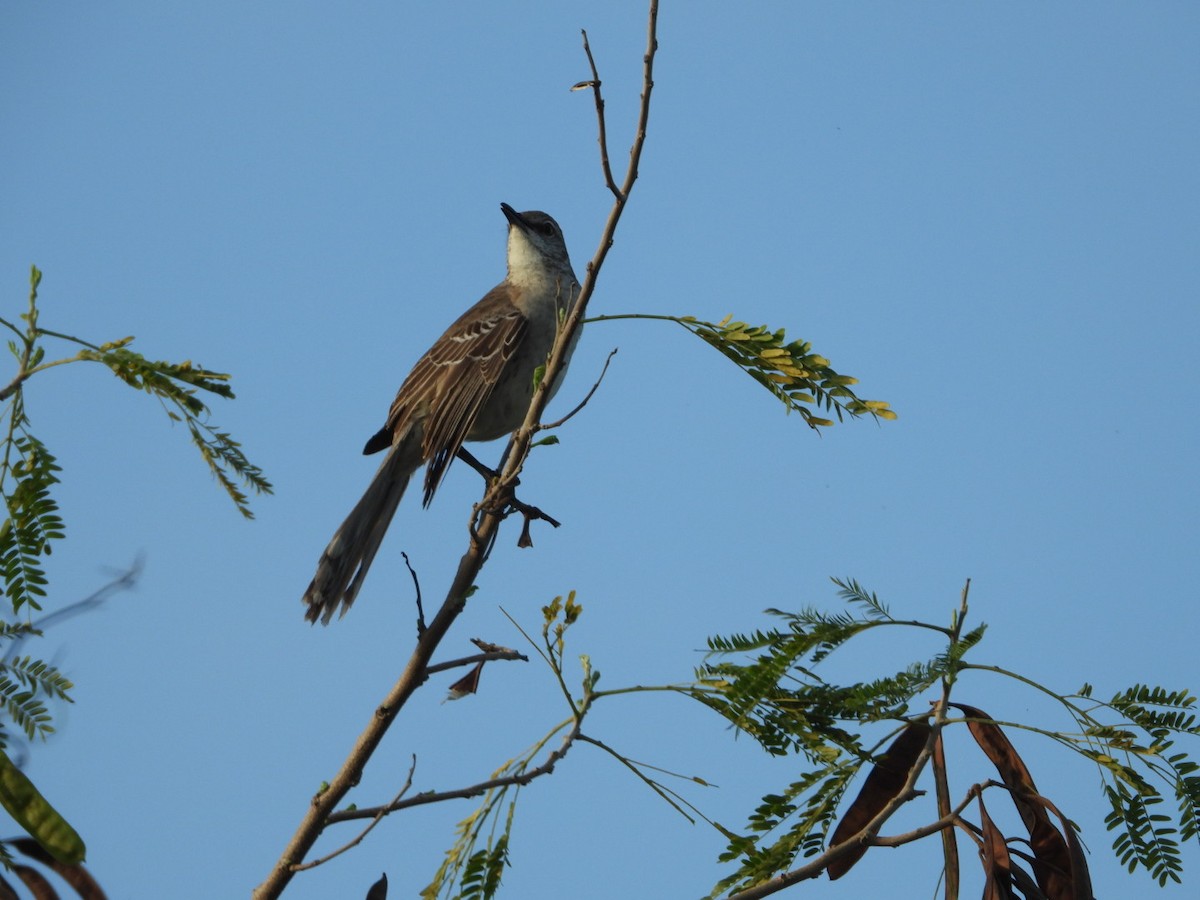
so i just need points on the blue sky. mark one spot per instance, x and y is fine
(989, 214)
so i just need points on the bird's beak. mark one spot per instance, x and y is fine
(514, 217)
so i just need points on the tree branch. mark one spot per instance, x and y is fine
(486, 524)
(383, 810)
(476, 658)
(425, 797)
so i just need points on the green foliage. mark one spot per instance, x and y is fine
(766, 684)
(1132, 754)
(20, 682)
(474, 864)
(1144, 839)
(788, 369)
(178, 386)
(32, 525)
(481, 878)
(776, 697)
(812, 818)
(477, 872)
(27, 472)
(558, 615)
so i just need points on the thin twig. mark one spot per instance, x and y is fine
(417, 586)
(9, 325)
(67, 337)
(602, 137)
(663, 792)
(517, 625)
(476, 658)
(362, 834)
(520, 779)
(545, 426)
(549, 656)
(950, 819)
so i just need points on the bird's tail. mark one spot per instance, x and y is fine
(345, 561)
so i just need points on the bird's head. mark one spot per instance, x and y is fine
(536, 248)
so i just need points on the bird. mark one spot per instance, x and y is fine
(474, 384)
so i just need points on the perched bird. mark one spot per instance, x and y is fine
(474, 384)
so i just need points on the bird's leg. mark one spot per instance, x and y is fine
(477, 542)
(530, 513)
(487, 472)
(469, 458)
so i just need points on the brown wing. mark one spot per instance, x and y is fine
(452, 382)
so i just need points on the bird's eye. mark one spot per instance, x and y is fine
(548, 229)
